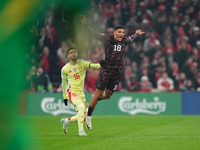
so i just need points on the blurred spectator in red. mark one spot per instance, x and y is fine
(131, 82)
(62, 54)
(107, 8)
(157, 74)
(146, 25)
(165, 84)
(150, 42)
(182, 81)
(168, 46)
(181, 42)
(145, 85)
(45, 59)
(50, 38)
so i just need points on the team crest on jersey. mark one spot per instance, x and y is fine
(69, 71)
(74, 69)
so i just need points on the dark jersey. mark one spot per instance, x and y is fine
(114, 50)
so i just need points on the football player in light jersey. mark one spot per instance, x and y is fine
(73, 76)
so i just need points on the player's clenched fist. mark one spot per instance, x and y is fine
(139, 32)
(83, 19)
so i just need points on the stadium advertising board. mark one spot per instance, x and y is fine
(119, 104)
(191, 103)
(48, 104)
(140, 104)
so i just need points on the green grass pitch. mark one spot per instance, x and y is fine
(119, 133)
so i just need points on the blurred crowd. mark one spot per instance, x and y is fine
(166, 58)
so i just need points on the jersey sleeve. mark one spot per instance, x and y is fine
(95, 65)
(87, 64)
(130, 39)
(64, 82)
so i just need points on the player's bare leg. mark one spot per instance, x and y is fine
(92, 105)
(106, 94)
(98, 93)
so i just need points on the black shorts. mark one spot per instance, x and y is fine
(108, 78)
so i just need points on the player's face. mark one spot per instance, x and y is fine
(119, 34)
(73, 55)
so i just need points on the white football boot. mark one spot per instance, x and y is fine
(65, 123)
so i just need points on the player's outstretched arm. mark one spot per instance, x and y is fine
(87, 64)
(88, 28)
(132, 37)
(97, 66)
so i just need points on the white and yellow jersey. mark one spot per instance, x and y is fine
(73, 77)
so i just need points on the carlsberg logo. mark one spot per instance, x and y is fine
(126, 104)
(51, 106)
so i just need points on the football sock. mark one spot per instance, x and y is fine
(90, 110)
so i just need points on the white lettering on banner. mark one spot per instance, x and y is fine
(49, 106)
(155, 107)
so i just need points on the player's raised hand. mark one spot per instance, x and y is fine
(83, 19)
(139, 32)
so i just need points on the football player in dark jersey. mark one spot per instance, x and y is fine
(109, 76)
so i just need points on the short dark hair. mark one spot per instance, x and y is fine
(71, 49)
(118, 27)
